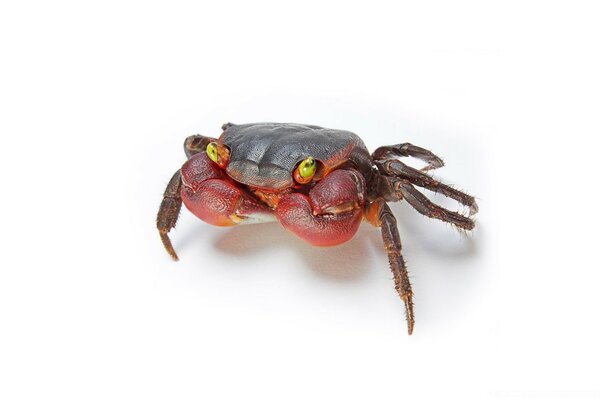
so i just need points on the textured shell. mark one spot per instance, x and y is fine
(265, 154)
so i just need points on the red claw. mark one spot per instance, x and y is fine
(210, 195)
(330, 214)
(213, 201)
(198, 169)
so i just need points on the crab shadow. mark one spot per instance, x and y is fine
(353, 259)
(348, 261)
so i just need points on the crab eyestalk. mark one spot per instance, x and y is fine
(218, 154)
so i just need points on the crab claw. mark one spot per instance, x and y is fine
(330, 214)
(214, 198)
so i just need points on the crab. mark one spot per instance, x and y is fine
(319, 183)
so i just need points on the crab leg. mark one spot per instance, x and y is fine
(169, 212)
(406, 150)
(426, 207)
(379, 214)
(398, 169)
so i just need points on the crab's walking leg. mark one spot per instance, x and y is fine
(409, 150)
(169, 212)
(399, 169)
(379, 214)
(426, 207)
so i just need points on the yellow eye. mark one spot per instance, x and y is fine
(305, 171)
(212, 151)
(307, 168)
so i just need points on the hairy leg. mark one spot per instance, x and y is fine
(398, 169)
(169, 212)
(426, 207)
(409, 150)
(379, 214)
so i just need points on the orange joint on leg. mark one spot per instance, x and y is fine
(373, 211)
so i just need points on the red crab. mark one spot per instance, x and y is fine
(318, 183)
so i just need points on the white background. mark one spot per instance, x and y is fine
(95, 101)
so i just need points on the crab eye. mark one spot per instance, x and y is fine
(306, 170)
(212, 151)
